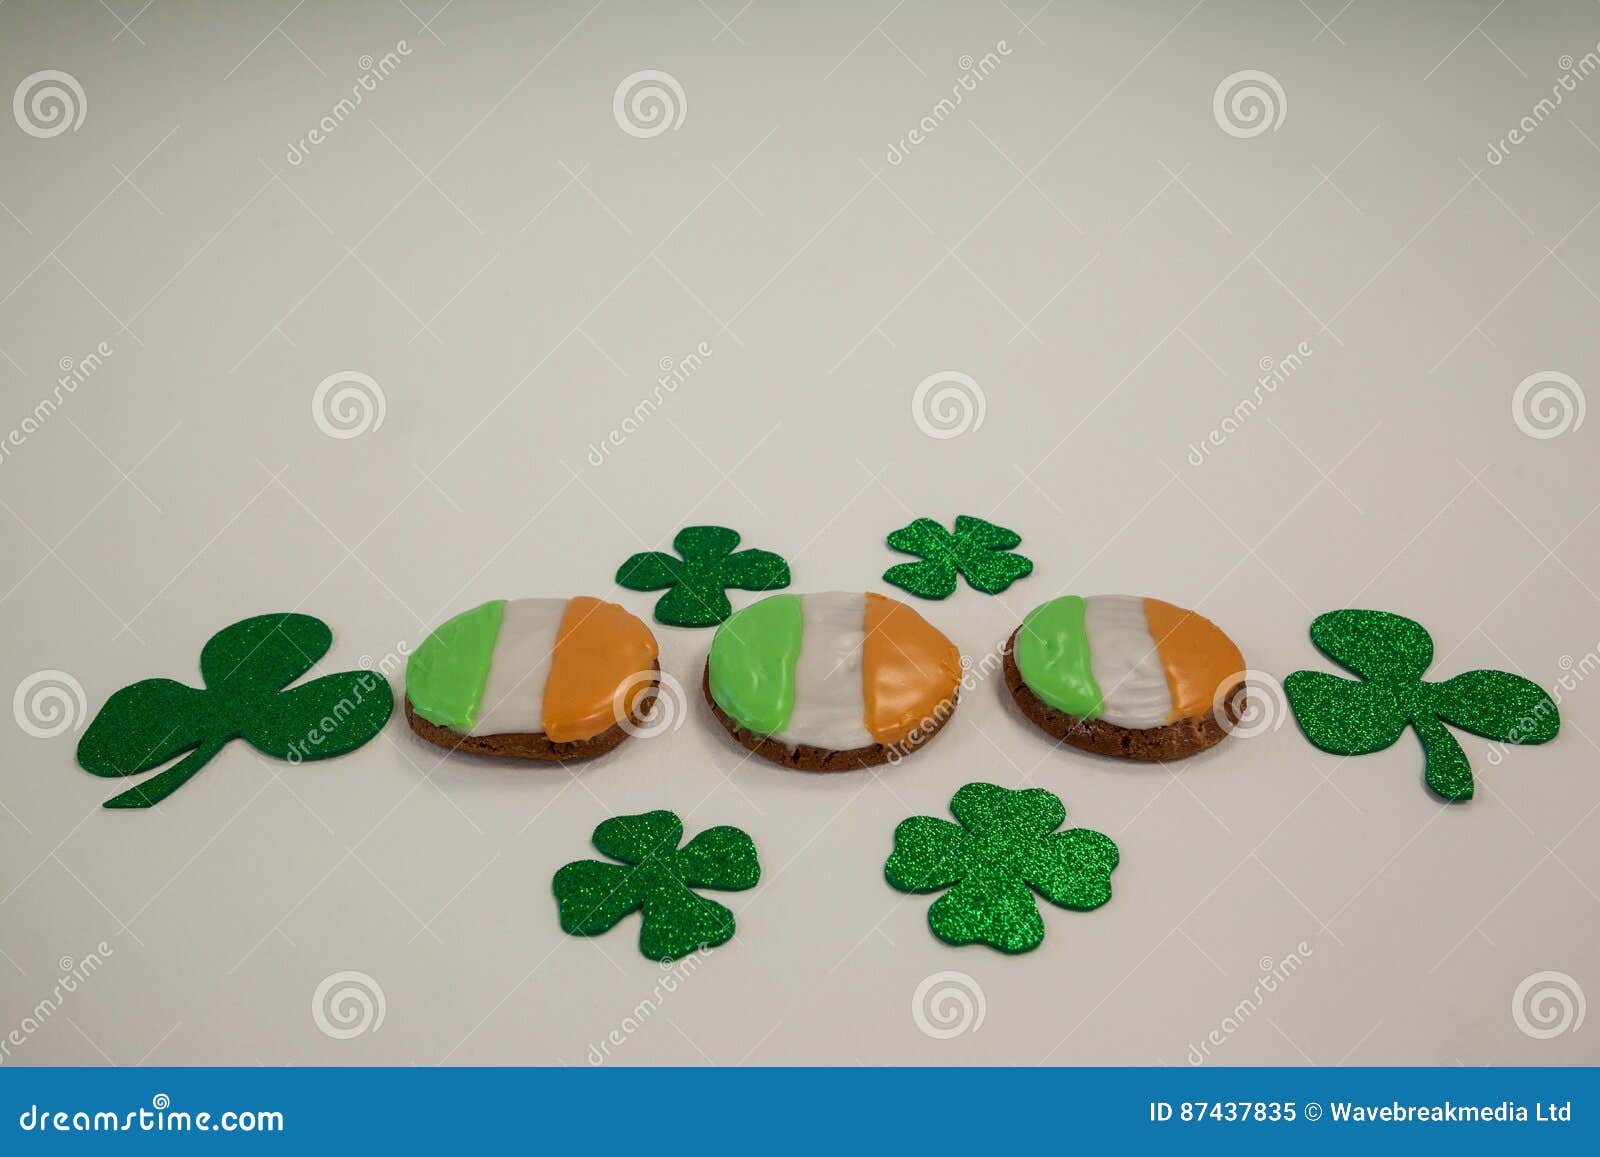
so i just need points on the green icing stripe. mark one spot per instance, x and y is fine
(445, 676)
(752, 663)
(1053, 656)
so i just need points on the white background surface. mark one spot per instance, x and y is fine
(1080, 236)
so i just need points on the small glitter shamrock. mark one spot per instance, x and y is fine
(701, 578)
(656, 876)
(1005, 845)
(247, 669)
(1390, 653)
(977, 550)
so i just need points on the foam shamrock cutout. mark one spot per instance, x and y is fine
(246, 668)
(657, 877)
(1390, 653)
(1005, 849)
(700, 579)
(978, 551)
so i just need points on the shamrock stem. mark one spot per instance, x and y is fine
(1449, 774)
(158, 787)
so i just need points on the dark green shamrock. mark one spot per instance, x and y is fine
(1005, 845)
(701, 577)
(977, 550)
(657, 876)
(246, 668)
(1390, 653)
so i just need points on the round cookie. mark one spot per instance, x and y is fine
(1123, 676)
(831, 682)
(548, 679)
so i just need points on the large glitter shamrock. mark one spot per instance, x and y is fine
(977, 550)
(1390, 653)
(1005, 848)
(701, 578)
(657, 876)
(247, 667)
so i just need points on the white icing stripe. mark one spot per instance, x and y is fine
(1125, 662)
(513, 695)
(830, 701)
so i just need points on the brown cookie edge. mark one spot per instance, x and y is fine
(533, 745)
(805, 757)
(1176, 740)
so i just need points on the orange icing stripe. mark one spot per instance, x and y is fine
(909, 671)
(599, 646)
(1196, 656)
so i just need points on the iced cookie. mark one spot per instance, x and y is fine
(833, 681)
(552, 679)
(1130, 677)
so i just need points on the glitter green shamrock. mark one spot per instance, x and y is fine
(246, 668)
(657, 877)
(1390, 653)
(1005, 849)
(978, 550)
(700, 579)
